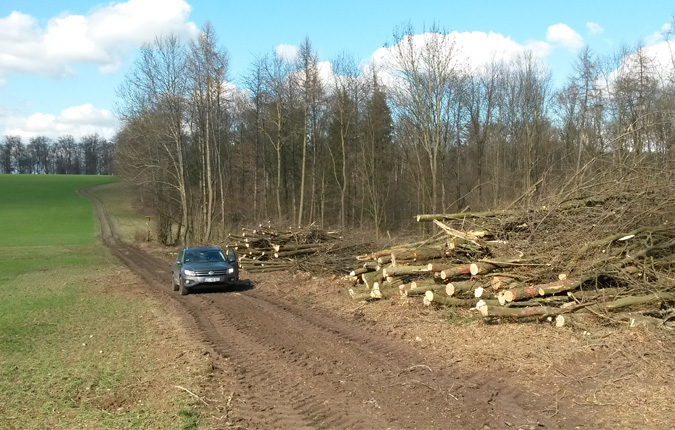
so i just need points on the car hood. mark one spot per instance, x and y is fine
(208, 265)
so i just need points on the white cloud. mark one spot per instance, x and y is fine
(663, 54)
(100, 38)
(654, 38)
(287, 52)
(563, 35)
(660, 35)
(326, 73)
(478, 48)
(77, 121)
(472, 49)
(595, 28)
(659, 49)
(291, 53)
(660, 57)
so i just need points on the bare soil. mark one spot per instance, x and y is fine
(293, 351)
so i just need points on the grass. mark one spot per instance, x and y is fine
(118, 199)
(71, 354)
(46, 210)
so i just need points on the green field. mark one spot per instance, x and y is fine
(118, 198)
(46, 210)
(72, 355)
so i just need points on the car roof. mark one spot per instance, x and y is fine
(203, 248)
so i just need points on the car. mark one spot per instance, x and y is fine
(200, 266)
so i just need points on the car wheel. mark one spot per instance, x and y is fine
(181, 287)
(173, 284)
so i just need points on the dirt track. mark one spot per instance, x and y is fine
(294, 367)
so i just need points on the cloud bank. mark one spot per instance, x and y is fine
(562, 34)
(100, 37)
(77, 121)
(471, 49)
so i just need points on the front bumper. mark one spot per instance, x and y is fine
(193, 281)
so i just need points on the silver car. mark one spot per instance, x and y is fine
(199, 266)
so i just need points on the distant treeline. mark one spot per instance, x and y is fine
(91, 155)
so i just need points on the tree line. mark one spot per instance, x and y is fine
(91, 155)
(368, 147)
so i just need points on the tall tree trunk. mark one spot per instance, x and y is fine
(302, 169)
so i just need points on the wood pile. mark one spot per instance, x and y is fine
(268, 249)
(550, 264)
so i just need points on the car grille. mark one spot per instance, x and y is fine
(211, 272)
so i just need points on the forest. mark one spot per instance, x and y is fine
(353, 147)
(91, 155)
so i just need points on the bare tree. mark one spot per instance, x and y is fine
(276, 85)
(255, 84)
(153, 111)
(482, 102)
(427, 71)
(207, 70)
(345, 102)
(377, 152)
(526, 116)
(8, 154)
(311, 88)
(635, 89)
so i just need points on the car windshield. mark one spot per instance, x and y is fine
(203, 256)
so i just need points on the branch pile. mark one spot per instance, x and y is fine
(598, 255)
(269, 249)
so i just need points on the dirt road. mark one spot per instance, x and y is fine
(292, 367)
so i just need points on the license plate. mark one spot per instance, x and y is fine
(211, 279)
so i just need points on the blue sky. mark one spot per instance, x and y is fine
(61, 61)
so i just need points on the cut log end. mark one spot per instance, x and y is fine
(500, 282)
(481, 268)
(509, 296)
(501, 298)
(482, 307)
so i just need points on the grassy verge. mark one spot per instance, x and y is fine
(118, 197)
(72, 354)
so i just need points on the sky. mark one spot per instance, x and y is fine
(61, 61)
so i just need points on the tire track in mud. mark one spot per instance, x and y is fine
(262, 405)
(295, 368)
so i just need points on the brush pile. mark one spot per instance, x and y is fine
(610, 255)
(268, 249)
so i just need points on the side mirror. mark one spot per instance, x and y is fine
(231, 255)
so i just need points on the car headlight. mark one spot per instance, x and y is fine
(189, 272)
(230, 270)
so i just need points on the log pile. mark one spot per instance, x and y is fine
(268, 249)
(543, 263)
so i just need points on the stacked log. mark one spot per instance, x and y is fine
(511, 278)
(407, 266)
